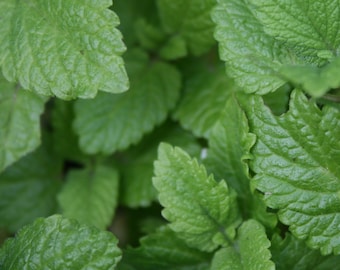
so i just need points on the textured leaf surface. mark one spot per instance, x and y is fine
(28, 189)
(202, 211)
(291, 253)
(19, 122)
(164, 250)
(190, 21)
(60, 243)
(252, 56)
(310, 27)
(114, 122)
(90, 195)
(204, 98)
(296, 161)
(64, 48)
(250, 253)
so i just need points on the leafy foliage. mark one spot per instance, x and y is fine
(202, 134)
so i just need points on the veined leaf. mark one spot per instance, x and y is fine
(202, 211)
(64, 48)
(251, 251)
(114, 122)
(190, 21)
(19, 122)
(291, 253)
(296, 161)
(28, 189)
(59, 243)
(164, 250)
(90, 195)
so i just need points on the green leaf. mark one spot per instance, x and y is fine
(60, 243)
(202, 211)
(28, 189)
(249, 253)
(114, 122)
(19, 122)
(252, 56)
(190, 21)
(291, 253)
(315, 81)
(296, 162)
(90, 195)
(309, 27)
(68, 49)
(164, 250)
(278, 100)
(205, 95)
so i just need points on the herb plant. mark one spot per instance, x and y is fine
(170, 134)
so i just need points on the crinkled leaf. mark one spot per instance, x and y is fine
(60, 243)
(205, 95)
(296, 162)
(190, 20)
(114, 122)
(164, 250)
(202, 211)
(28, 189)
(249, 253)
(90, 195)
(315, 81)
(309, 27)
(252, 56)
(229, 147)
(291, 253)
(19, 122)
(64, 48)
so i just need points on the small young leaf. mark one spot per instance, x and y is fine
(296, 164)
(114, 122)
(164, 250)
(90, 196)
(202, 211)
(19, 122)
(291, 253)
(59, 243)
(250, 252)
(64, 48)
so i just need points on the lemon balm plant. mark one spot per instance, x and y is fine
(169, 134)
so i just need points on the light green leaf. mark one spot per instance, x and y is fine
(291, 253)
(202, 211)
(28, 189)
(64, 48)
(315, 81)
(19, 122)
(309, 27)
(252, 56)
(229, 147)
(164, 250)
(296, 162)
(249, 253)
(190, 20)
(206, 92)
(114, 122)
(90, 195)
(60, 243)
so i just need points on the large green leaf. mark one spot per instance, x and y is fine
(59, 243)
(164, 250)
(202, 211)
(90, 195)
(249, 253)
(296, 164)
(28, 189)
(19, 122)
(64, 48)
(114, 122)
